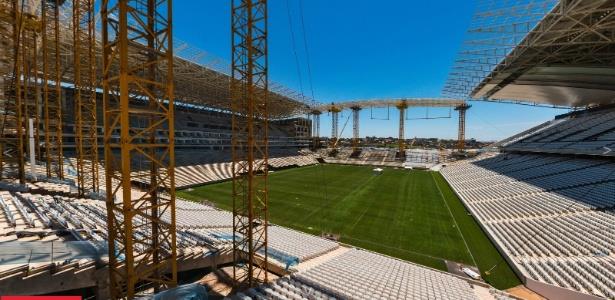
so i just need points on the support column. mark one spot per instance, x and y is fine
(401, 140)
(334, 126)
(355, 129)
(461, 133)
(315, 129)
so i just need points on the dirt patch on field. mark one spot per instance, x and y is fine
(524, 293)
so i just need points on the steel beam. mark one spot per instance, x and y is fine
(385, 103)
(138, 60)
(250, 107)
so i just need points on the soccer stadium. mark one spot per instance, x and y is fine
(135, 165)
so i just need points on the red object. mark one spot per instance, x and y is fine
(40, 297)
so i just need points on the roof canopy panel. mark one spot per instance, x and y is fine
(560, 86)
(567, 58)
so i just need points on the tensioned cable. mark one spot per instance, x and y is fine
(292, 37)
(306, 49)
(323, 177)
(488, 123)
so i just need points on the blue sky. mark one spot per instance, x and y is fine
(365, 49)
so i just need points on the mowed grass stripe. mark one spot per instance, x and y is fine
(399, 213)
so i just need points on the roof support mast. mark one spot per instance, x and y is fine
(335, 119)
(461, 134)
(315, 129)
(401, 140)
(355, 130)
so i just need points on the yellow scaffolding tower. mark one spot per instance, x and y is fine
(31, 84)
(18, 98)
(52, 93)
(138, 105)
(84, 64)
(249, 103)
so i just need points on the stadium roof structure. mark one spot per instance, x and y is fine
(544, 52)
(200, 79)
(407, 102)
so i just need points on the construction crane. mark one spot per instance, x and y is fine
(249, 89)
(138, 60)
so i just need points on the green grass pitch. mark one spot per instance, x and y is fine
(412, 215)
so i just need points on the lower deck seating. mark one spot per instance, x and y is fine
(28, 215)
(368, 157)
(192, 175)
(284, 288)
(359, 274)
(300, 245)
(552, 215)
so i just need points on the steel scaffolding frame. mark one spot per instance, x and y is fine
(85, 76)
(19, 96)
(200, 80)
(138, 61)
(31, 84)
(249, 89)
(12, 126)
(52, 90)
